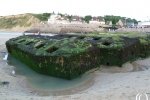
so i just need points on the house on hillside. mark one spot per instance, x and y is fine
(76, 20)
(57, 19)
(145, 24)
(109, 23)
(130, 25)
(97, 20)
(120, 23)
(123, 23)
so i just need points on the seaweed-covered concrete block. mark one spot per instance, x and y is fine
(69, 56)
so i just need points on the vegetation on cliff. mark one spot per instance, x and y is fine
(43, 16)
(28, 20)
(22, 20)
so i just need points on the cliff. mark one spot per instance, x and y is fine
(18, 23)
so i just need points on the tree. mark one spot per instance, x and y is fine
(43, 17)
(115, 19)
(112, 18)
(69, 17)
(87, 18)
(135, 21)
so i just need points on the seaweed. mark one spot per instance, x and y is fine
(69, 56)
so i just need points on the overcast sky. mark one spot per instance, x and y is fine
(139, 9)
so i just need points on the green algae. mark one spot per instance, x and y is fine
(69, 56)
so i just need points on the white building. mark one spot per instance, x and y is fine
(76, 20)
(97, 22)
(57, 19)
(145, 24)
(120, 23)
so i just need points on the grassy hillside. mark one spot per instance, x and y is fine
(43, 16)
(22, 20)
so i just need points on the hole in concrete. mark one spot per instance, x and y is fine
(70, 36)
(107, 63)
(29, 43)
(40, 45)
(132, 53)
(81, 37)
(20, 41)
(96, 38)
(107, 43)
(51, 49)
(61, 35)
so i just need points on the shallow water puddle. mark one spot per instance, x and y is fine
(6, 56)
(48, 83)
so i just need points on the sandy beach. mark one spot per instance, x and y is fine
(109, 83)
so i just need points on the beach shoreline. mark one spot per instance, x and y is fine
(39, 92)
(109, 83)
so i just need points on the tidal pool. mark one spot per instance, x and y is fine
(46, 85)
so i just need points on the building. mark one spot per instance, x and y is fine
(97, 20)
(57, 19)
(145, 24)
(76, 20)
(120, 23)
(109, 23)
(130, 24)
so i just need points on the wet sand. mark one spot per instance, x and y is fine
(110, 83)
